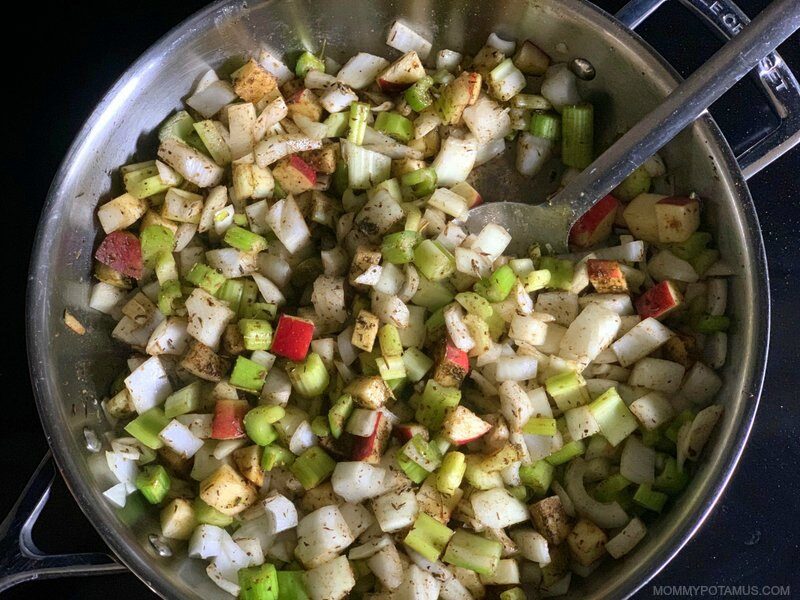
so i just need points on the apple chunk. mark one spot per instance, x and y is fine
(305, 102)
(451, 366)
(659, 300)
(640, 217)
(469, 193)
(606, 276)
(228, 421)
(677, 219)
(371, 447)
(595, 225)
(406, 431)
(295, 175)
(121, 251)
(462, 426)
(402, 73)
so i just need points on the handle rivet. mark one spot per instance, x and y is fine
(582, 68)
(159, 545)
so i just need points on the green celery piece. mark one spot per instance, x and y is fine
(608, 489)
(244, 239)
(212, 139)
(313, 467)
(184, 401)
(473, 552)
(567, 453)
(433, 260)
(154, 240)
(257, 333)
(395, 125)
(475, 304)
(435, 326)
(711, 323)
(169, 297)
(636, 183)
(520, 492)
(308, 62)
(209, 515)
(514, 593)
(671, 433)
(359, 111)
(248, 298)
(231, 292)
(292, 586)
(433, 294)
(320, 427)
(692, 247)
(451, 472)
(398, 248)
(150, 186)
(389, 341)
(391, 368)
(178, 126)
(428, 537)
(415, 472)
(309, 378)
(153, 482)
(433, 404)
(650, 499)
(258, 423)
(703, 261)
(546, 126)
(616, 421)
(337, 125)
(248, 375)
(367, 361)
(421, 182)
(568, 389)
(577, 135)
(536, 280)
(497, 286)
(417, 364)
(258, 583)
(537, 476)
(340, 411)
(206, 278)
(276, 456)
(561, 272)
(671, 480)
(540, 426)
(147, 426)
(418, 96)
(263, 311)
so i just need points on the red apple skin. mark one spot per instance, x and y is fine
(122, 251)
(462, 426)
(228, 421)
(391, 86)
(303, 168)
(452, 364)
(606, 276)
(292, 338)
(406, 431)
(369, 449)
(402, 73)
(659, 301)
(595, 226)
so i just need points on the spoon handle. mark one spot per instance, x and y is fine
(684, 104)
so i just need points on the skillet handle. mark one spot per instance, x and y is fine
(21, 560)
(772, 75)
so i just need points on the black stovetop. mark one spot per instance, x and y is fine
(753, 535)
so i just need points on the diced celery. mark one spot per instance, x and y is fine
(153, 482)
(359, 112)
(422, 452)
(432, 294)
(209, 515)
(340, 411)
(395, 125)
(391, 368)
(248, 375)
(258, 583)
(415, 472)
(434, 261)
(475, 304)
(308, 62)
(231, 292)
(703, 261)
(671, 433)
(147, 426)
(536, 280)
(417, 364)
(615, 420)
(313, 467)
(320, 427)
(214, 141)
(561, 272)
(185, 400)
(418, 96)
(537, 476)
(422, 182)
(428, 537)
(692, 247)
(398, 248)
(309, 378)
(389, 341)
(568, 389)
(451, 472)
(276, 456)
(257, 333)
(169, 297)
(292, 586)
(205, 277)
(262, 311)
(497, 286)
(540, 426)
(711, 323)
(435, 401)
(607, 490)
(180, 126)
(577, 135)
(567, 453)
(337, 124)
(636, 183)
(671, 479)
(244, 240)
(434, 325)
(650, 499)
(154, 240)
(258, 424)
(546, 126)
(473, 552)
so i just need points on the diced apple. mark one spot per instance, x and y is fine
(305, 102)
(640, 216)
(322, 160)
(252, 82)
(462, 426)
(121, 251)
(606, 276)
(457, 95)
(371, 448)
(595, 225)
(659, 300)
(451, 365)
(677, 219)
(228, 422)
(403, 72)
(292, 338)
(227, 491)
(248, 461)
(295, 175)
(530, 59)
(406, 431)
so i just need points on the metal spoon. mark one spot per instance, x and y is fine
(550, 222)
